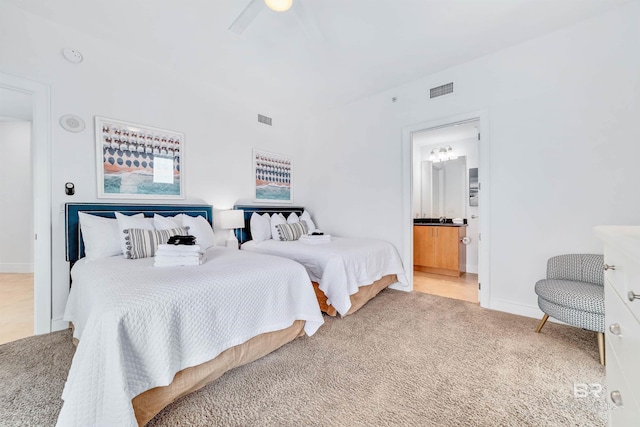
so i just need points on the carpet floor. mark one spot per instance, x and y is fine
(404, 359)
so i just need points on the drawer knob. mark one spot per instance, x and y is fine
(609, 267)
(614, 328)
(631, 295)
(616, 398)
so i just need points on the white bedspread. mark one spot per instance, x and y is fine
(139, 325)
(341, 266)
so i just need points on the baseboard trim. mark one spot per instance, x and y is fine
(16, 268)
(516, 308)
(59, 325)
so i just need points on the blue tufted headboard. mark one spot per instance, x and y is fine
(244, 234)
(73, 240)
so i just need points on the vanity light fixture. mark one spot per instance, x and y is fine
(279, 5)
(442, 154)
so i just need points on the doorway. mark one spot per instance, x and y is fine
(39, 239)
(477, 227)
(445, 160)
(16, 217)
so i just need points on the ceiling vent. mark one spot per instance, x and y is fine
(264, 119)
(441, 90)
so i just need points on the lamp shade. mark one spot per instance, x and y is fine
(231, 219)
(279, 5)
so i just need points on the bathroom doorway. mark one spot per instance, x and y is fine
(445, 213)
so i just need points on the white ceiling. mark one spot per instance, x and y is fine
(367, 46)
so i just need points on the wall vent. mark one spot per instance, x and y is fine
(264, 119)
(441, 90)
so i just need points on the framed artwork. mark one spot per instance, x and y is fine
(473, 187)
(137, 161)
(273, 177)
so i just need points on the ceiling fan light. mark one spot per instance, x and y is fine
(279, 5)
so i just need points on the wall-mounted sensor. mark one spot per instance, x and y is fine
(72, 55)
(72, 123)
(69, 189)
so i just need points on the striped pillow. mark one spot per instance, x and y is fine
(144, 243)
(291, 231)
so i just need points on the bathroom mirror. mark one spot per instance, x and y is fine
(443, 188)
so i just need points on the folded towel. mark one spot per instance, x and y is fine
(186, 258)
(182, 248)
(167, 252)
(325, 238)
(178, 262)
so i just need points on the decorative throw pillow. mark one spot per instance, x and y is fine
(260, 226)
(276, 219)
(201, 229)
(144, 243)
(135, 221)
(293, 218)
(101, 236)
(291, 231)
(306, 217)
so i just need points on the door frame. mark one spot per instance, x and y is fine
(484, 247)
(41, 173)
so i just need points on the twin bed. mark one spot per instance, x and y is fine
(149, 335)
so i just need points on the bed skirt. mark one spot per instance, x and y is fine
(148, 404)
(360, 298)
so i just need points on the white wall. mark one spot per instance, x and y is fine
(220, 129)
(16, 198)
(562, 112)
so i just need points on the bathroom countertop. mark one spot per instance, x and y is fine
(436, 221)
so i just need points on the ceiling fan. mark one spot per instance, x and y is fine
(253, 9)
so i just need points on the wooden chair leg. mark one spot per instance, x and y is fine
(542, 322)
(601, 347)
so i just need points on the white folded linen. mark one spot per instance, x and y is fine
(325, 238)
(178, 262)
(167, 252)
(183, 248)
(194, 257)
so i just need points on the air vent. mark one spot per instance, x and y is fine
(441, 90)
(264, 119)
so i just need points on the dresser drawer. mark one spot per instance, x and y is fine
(624, 278)
(628, 413)
(622, 335)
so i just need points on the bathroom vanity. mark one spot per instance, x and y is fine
(438, 247)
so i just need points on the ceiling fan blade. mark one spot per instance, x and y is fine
(306, 20)
(247, 16)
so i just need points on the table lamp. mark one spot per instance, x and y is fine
(231, 220)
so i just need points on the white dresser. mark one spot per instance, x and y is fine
(622, 322)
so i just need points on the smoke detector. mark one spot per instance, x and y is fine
(72, 55)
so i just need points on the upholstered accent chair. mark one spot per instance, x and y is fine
(573, 293)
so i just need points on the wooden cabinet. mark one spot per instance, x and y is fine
(439, 249)
(622, 322)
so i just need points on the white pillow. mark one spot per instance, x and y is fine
(201, 229)
(307, 218)
(135, 221)
(293, 218)
(276, 219)
(101, 236)
(260, 226)
(167, 222)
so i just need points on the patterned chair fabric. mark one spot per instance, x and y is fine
(573, 291)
